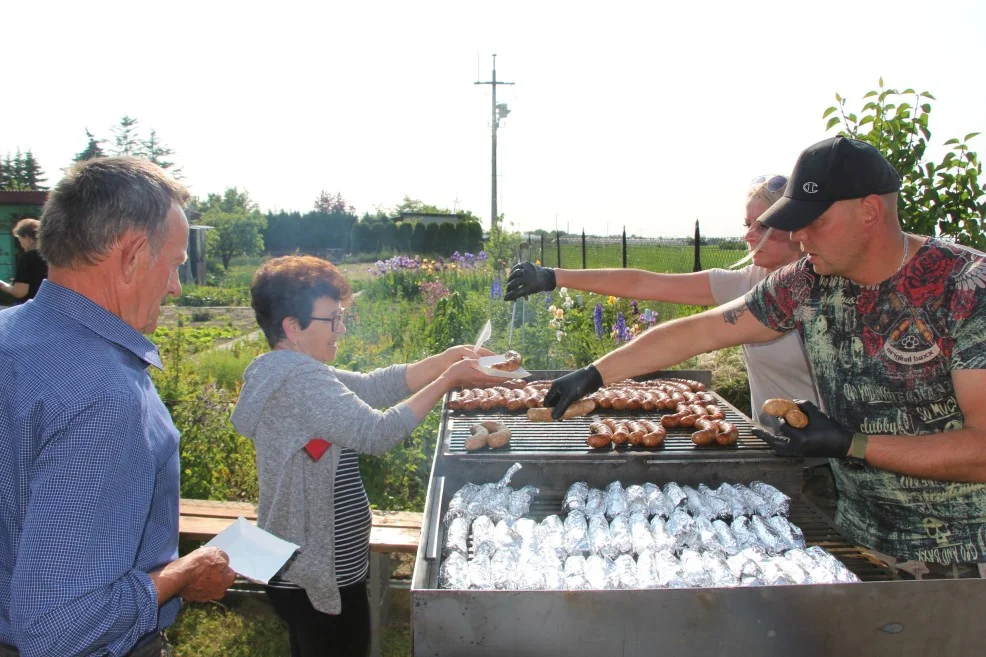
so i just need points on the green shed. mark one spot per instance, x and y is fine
(15, 206)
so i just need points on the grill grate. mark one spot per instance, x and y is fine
(570, 435)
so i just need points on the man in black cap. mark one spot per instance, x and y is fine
(894, 326)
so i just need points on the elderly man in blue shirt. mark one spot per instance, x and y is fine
(89, 466)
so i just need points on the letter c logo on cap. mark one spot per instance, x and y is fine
(810, 187)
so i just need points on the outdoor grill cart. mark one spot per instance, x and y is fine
(876, 616)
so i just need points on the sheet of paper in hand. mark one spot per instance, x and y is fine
(253, 552)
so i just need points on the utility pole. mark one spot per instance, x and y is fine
(499, 112)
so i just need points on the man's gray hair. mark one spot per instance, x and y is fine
(99, 201)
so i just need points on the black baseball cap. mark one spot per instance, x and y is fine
(836, 169)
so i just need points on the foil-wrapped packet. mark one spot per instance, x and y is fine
(754, 503)
(600, 539)
(482, 533)
(718, 570)
(745, 538)
(682, 528)
(737, 504)
(575, 497)
(707, 539)
(697, 505)
(519, 504)
(626, 572)
(674, 495)
(773, 574)
(837, 568)
(454, 573)
(480, 572)
(776, 500)
(527, 528)
(458, 506)
(765, 538)
(745, 569)
(657, 505)
(599, 572)
(552, 569)
(503, 569)
(718, 506)
(504, 536)
(551, 533)
(576, 533)
(575, 579)
(667, 570)
(619, 529)
(663, 540)
(817, 573)
(640, 533)
(457, 537)
(636, 500)
(530, 576)
(595, 503)
(498, 503)
(789, 534)
(646, 577)
(725, 537)
(795, 573)
(616, 500)
(693, 569)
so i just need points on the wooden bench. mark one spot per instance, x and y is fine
(392, 532)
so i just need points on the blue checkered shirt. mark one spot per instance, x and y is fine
(88, 480)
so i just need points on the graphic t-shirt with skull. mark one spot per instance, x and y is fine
(882, 357)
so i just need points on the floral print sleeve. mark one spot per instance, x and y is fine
(968, 313)
(774, 300)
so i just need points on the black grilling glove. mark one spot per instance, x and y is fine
(823, 437)
(572, 387)
(525, 279)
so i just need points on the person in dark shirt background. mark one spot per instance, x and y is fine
(31, 268)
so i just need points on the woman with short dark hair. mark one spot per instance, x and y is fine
(309, 423)
(31, 268)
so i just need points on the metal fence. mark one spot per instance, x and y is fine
(667, 255)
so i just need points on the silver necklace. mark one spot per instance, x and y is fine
(903, 258)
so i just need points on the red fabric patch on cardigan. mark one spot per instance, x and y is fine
(316, 447)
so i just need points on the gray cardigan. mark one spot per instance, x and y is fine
(289, 398)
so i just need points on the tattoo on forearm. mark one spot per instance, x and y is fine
(733, 314)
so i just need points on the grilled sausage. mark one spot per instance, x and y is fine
(580, 407)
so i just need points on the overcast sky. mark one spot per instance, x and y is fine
(644, 114)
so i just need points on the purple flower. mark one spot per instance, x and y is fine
(634, 308)
(483, 256)
(597, 319)
(496, 291)
(620, 330)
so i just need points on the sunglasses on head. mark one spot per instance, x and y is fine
(774, 183)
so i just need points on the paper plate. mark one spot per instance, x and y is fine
(486, 361)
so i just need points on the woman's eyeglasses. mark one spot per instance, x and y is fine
(774, 183)
(337, 320)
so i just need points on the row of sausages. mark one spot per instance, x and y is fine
(516, 395)
(625, 432)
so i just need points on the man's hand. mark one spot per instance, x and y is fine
(210, 575)
(572, 387)
(525, 279)
(823, 437)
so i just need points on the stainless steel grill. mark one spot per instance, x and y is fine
(877, 617)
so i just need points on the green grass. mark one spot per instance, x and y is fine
(652, 257)
(252, 629)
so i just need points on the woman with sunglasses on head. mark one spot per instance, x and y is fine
(309, 422)
(775, 369)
